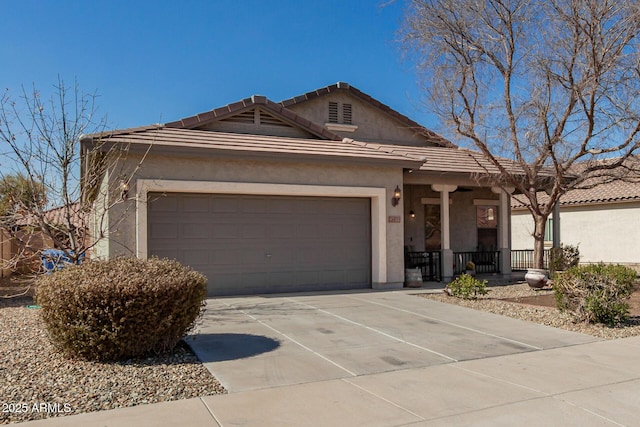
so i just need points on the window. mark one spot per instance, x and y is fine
(548, 230)
(487, 224)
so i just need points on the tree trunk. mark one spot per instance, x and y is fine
(538, 243)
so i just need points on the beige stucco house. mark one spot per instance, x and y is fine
(328, 190)
(603, 221)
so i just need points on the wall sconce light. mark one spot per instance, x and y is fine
(412, 214)
(396, 196)
(124, 190)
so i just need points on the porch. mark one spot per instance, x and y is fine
(429, 263)
(486, 262)
(448, 225)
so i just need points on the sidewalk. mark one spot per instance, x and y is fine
(584, 385)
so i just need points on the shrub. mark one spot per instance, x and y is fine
(121, 308)
(563, 258)
(596, 293)
(467, 287)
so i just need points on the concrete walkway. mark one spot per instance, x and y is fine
(392, 359)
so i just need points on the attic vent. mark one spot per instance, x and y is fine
(333, 112)
(246, 117)
(346, 114)
(267, 119)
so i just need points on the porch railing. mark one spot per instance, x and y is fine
(485, 261)
(429, 263)
(522, 259)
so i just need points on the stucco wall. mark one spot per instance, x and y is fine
(373, 125)
(608, 233)
(175, 167)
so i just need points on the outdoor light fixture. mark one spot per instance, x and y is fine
(396, 196)
(412, 214)
(124, 189)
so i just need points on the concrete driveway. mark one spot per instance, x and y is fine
(260, 342)
(388, 359)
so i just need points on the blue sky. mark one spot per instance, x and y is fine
(158, 61)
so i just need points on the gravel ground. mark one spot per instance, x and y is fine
(549, 316)
(36, 382)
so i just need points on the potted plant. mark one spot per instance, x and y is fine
(536, 277)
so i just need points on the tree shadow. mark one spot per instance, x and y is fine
(225, 347)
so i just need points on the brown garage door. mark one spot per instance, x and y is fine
(264, 244)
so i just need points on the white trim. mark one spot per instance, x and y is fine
(340, 127)
(376, 194)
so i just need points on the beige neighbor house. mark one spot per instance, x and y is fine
(328, 190)
(603, 221)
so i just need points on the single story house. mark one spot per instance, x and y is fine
(603, 221)
(328, 190)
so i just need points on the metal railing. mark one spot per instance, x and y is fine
(429, 263)
(522, 259)
(485, 261)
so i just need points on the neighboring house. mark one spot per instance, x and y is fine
(328, 190)
(603, 221)
(20, 250)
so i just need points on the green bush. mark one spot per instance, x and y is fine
(563, 258)
(467, 287)
(121, 308)
(596, 293)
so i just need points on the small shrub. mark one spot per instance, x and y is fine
(563, 258)
(466, 286)
(121, 308)
(596, 293)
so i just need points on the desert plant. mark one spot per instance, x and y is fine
(564, 257)
(466, 286)
(596, 293)
(121, 308)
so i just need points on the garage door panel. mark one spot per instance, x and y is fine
(196, 257)
(222, 257)
(164, 230)
(161, 203)
(314, 243)
(195, 230)
(221, 230)
(196, 204)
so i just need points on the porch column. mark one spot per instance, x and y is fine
(556, 225)
(447, 253)
(504, 235)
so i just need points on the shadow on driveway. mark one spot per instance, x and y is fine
(224, 347)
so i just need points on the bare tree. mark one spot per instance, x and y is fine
(39, 142)
(550, 84)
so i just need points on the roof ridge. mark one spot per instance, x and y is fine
(439, 140)
(91, 136)
(255, 100)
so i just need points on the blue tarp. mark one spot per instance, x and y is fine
(56, 259)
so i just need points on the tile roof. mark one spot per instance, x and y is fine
(430, 159)
(249, 144)
(447, 160)
(621, 190)
(246, 104)
(341, 86)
